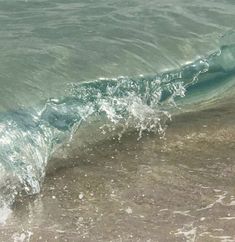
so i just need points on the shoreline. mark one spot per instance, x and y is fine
(172, 189)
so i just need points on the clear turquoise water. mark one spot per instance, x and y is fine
(115, 64)
(48, 44)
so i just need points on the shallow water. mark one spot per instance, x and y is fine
(48, 44)
(145, 59)
(178, 188)
(117, 120)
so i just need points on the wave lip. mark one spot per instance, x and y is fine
(29, 137)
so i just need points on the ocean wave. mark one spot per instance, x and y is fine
(29, 137)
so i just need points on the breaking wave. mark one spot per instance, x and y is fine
(28, 137)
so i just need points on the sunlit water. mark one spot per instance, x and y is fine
(117, 121)
(180, 188)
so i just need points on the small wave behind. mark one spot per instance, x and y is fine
(28, 137)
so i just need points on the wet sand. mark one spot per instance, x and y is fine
(177, 188)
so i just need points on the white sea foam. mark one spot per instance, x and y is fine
(5, 212)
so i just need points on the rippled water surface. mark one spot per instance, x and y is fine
(117, 120)
(48, 44)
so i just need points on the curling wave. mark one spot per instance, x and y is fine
(29, 137)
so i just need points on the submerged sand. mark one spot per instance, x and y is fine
(177, 188)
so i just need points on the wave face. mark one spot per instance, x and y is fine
(129, 40)
(28, 137)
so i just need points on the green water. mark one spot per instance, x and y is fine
(48, 44)
(139, 95)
